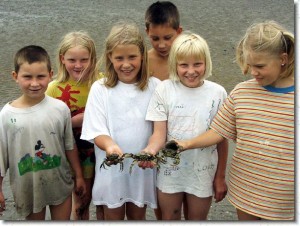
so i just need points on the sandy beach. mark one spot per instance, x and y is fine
(221, 23)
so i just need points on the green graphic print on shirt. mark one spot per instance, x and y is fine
(40, 161)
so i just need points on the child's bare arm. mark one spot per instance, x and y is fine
(2, 199)
(158, 138)
(77, 120)
(72, 156)
(219, 183)
(206, 139)
(156, 142)
(107, 144)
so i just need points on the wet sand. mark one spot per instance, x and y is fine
(221, 23)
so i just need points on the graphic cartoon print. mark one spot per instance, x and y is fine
(75, 98)
(40, 160)
(66, 94)
(39, 148)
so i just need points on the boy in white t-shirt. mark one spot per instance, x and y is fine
(37, 143)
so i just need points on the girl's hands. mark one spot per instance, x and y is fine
(147, 164)
(114, 149)
(181, 145)
(172, 144)
(220, 188)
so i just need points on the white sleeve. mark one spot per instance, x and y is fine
(3, 148)
(158, 108)
(224, 96)
(95, 114)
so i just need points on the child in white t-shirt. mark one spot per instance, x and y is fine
(181, 108)
(114, 120)
(37, 143)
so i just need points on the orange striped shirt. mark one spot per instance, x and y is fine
(261, 122)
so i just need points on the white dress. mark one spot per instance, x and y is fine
(189, 112)
(120, 112)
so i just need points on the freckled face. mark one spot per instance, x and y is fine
(127, 62)
(191, 71)
(33, 80)
(77, 61)
(264, 68)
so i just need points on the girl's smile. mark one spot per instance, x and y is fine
(77, 61)
(191, 72)
(127, 61)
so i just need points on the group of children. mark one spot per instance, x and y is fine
(55, 137)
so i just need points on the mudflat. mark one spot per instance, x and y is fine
(221, 23)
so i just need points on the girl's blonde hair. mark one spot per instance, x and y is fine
(70, 40)
(124, 33)
(268, 37)
(189, 44)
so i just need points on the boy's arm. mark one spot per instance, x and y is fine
(206, 139)
(219, 183)
(73, 158)
(2, 199)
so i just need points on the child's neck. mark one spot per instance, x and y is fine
(158, 65)
(78, 81)
(284, 82)
(25, 102)
(162, 58)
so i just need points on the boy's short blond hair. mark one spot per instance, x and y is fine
(189, 44)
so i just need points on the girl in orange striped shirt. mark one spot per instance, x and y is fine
(259, 116)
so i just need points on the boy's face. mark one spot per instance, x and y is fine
(33, 80)
(162, 37)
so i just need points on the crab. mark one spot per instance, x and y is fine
(113, 159)
(171, 150)
(144, 157)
